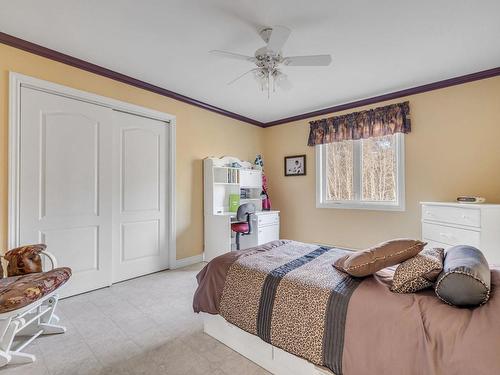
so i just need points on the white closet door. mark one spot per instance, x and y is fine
(65, 184)
(139, 194)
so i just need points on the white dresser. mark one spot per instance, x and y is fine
(449, 224)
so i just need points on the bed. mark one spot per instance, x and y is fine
(286, 308)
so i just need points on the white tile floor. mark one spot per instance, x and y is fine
(140, 326)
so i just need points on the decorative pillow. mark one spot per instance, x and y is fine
(419, 272)
(466, 277)
(367, 262)
(24, 260)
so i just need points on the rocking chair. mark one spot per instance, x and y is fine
(28, 298)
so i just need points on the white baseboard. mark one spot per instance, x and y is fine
(184, 262)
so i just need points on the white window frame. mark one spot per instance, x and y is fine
(398, 205)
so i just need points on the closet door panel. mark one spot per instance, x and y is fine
(140, 158)
(139, 214)
(65, 184)
(70, 169)
(140, 240)
(82, 255)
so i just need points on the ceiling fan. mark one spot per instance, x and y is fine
(269, 60)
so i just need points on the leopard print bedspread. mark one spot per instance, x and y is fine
(292, 297)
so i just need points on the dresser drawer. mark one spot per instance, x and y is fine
(268, 219)
(431, 244)
(450, 236)
(453, 215)
(268, 233)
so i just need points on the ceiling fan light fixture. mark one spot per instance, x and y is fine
(269, 58)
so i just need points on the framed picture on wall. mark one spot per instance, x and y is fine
(295, 165)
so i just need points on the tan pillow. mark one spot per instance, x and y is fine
(419, 272)
(367, 262)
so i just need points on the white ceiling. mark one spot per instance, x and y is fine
(377, 46)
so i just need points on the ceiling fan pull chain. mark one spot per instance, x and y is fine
(268, 85)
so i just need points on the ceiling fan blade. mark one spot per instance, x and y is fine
(312, 60)
(242, 75)
(232, 55)
(282, 81)
(278, 37)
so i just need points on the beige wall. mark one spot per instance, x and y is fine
(453, 149)
(200, 133)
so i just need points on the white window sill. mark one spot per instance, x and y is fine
(375, 206)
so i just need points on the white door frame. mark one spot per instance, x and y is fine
(16, 81)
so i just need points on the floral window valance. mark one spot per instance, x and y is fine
(394, 118)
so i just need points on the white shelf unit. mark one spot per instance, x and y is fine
(221, 180)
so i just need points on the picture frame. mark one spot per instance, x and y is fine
(295, 165)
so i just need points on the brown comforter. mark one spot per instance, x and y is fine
(285, 293)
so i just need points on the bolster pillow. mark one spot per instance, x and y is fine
(466, 278)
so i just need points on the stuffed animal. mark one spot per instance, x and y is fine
(259, 162)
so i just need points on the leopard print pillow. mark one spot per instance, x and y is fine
(419, 272)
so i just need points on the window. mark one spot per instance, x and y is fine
(365, 174)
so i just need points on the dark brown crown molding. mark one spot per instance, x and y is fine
(393, 95)
(96, 69)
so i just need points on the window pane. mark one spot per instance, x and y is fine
(379, 169)
(339, 171)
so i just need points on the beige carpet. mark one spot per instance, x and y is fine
(140, 326)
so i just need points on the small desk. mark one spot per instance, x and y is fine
(219, 239)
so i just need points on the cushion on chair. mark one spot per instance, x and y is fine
(20, 291)
(25, 259)
(240, 227)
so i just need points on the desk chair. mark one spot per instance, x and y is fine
(244, 225)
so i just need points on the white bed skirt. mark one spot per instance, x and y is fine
(271, 358)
